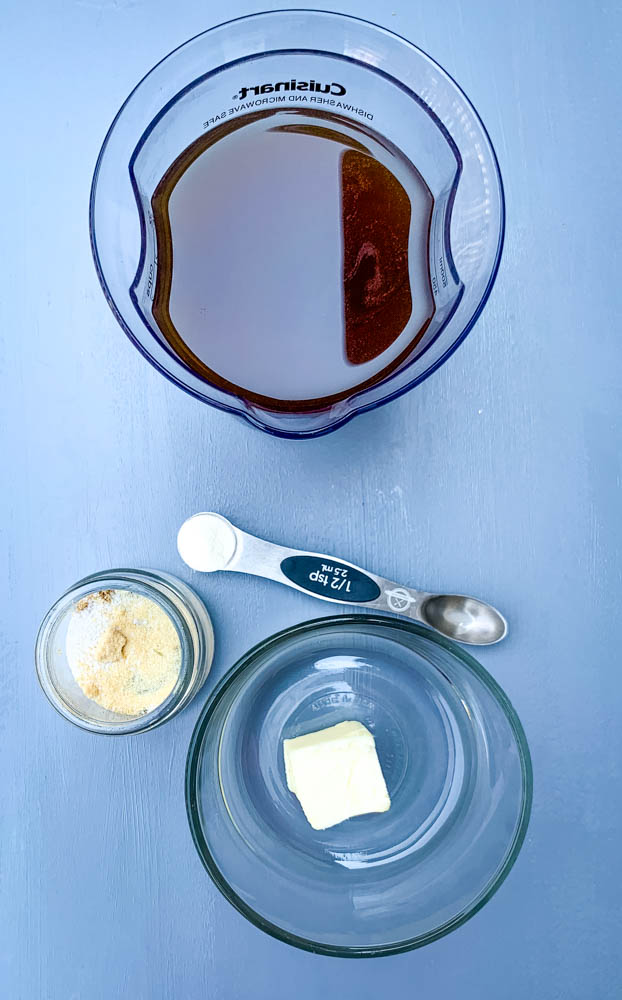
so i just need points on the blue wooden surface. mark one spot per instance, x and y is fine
(500, 476)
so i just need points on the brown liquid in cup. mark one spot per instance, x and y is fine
(375, 228)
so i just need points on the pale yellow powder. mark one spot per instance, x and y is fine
(123, 650)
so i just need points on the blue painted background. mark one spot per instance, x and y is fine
(500, 476)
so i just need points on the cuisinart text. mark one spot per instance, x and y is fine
(269, 88)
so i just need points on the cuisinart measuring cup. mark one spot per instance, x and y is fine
(325, 79)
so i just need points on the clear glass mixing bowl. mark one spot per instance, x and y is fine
(454, 757)
(390, 85)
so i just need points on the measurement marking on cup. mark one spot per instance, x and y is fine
(441, 264)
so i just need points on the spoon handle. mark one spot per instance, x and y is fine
(323, 576)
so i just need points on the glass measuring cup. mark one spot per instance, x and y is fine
(382, 88)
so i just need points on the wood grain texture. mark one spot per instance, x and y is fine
(500, 476)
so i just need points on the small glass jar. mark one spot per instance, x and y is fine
(189, 617)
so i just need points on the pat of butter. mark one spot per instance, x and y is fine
(335, 774)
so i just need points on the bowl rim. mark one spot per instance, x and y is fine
(359, 405)
(279, 639)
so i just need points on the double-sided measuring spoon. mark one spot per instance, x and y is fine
(209, 542)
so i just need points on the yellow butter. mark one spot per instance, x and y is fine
(335, 774)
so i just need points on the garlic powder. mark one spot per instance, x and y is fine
(123, 650)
